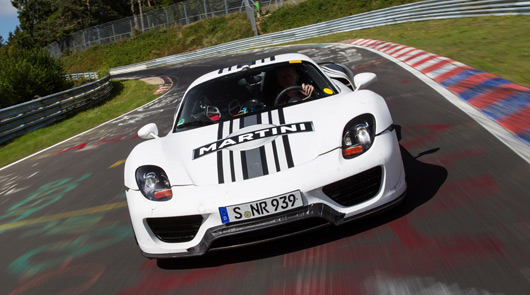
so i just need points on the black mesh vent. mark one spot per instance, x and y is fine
(175, 229)
(265, 234)
(355, 189)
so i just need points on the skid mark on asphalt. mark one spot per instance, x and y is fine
(9, 185)
(41, 198)
(116, 164)
(92, 210)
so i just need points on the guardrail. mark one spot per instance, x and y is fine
(25, 117)
(86, 75)
(417, 11)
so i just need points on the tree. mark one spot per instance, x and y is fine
(26, 73)
(45, 21)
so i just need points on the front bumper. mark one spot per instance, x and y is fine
(312, 211)
(309, 178)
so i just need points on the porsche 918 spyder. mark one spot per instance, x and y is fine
(262, 150)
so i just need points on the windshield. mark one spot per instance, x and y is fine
(251, 91)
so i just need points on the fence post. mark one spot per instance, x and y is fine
(99, 36)
(226, 8)
(205, 10)
(84, 40)
(250, 14)
(113, 32)
(141, 15)
(167, 17)
(186, 14)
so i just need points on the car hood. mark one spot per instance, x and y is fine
(259, 144)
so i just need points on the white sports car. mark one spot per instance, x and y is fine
(250, 159)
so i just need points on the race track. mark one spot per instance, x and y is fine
(464, 227)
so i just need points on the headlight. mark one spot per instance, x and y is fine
(153, 183)
(358, 136)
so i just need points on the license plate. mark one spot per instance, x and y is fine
(262, 207)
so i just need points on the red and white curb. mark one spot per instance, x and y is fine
(168, 83)
(503, 101)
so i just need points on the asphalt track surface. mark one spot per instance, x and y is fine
(464, 227)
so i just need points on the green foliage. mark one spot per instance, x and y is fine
(42, 22)
(158, 43)
(495, 44)
(315, 11)
(125, 96)
(25, 74)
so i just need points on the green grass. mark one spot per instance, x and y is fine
(498, 44)
(125, 96)
(315, 11)
(158, 43)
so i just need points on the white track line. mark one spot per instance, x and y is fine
(75, 136)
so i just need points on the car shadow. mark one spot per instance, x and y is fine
(423, 181)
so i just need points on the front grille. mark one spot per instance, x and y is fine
(355, 189)
(175, 229)
(269, 233)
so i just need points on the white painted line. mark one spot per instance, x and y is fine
(420, 58)
(431, 62)
(398, 50)
(504, 136)
(378, 47)
(75, 136)
(442, 70)
(410, 54)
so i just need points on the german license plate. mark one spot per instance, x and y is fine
(262, 207)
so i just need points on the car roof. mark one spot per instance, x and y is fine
(289, 57)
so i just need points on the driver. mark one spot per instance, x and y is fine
(287, 77)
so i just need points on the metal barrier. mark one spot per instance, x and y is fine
(32, 115)
(86, 75)
(417, 11)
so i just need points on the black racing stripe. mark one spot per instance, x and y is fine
(286, 144)
(276, 161)
(244, 164)
(243, 154)
(232, 168)
(288, 153)
(274, 149)
(262, 153)
(264, 166)
(220, 173)
(281, 116)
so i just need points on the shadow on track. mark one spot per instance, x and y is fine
(423, 181)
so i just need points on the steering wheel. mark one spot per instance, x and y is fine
(283, 92)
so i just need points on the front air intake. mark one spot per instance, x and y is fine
(355, 189)
(175, 229)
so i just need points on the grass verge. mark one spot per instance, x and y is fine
(125, 96)
(495, 44)
(158, 43)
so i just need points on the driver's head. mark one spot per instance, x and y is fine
(287, 76)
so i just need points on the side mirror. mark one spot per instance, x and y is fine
(148, 131)
(364, 80)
